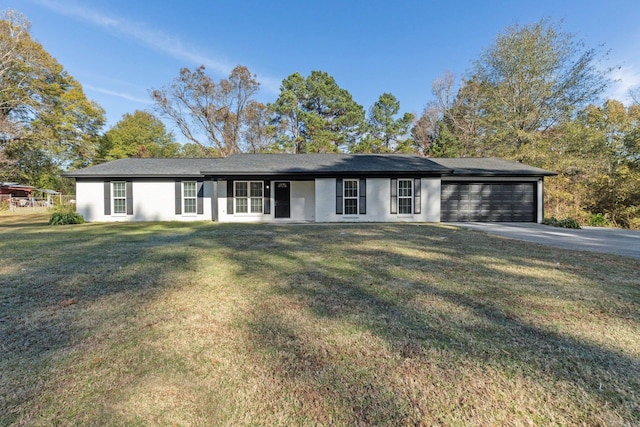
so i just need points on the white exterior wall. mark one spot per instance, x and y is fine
(378, 202)
(152, 201)
(540, 195)
(431, 199)
(90, 200)
(303, 201)
(302, 204)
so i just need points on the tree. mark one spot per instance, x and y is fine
(598, 172)
(289, 113)
(451, 124)
(635, 94)
(17, 51)
(425, 130)
(207, 113)
(386, 133)
(316, 115)
(533, 78)
(140, 134)
(46, 122)
(194, 151)
(260, 133)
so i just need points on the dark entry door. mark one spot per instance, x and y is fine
(282, 199)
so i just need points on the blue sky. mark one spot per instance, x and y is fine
(119, 49)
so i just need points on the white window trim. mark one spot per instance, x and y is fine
(185, 198)
(114, 198)
(411, 197)
(248, 198)
(345, 197)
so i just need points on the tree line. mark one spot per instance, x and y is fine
(533, 96)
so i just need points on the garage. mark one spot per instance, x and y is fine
(463, 201)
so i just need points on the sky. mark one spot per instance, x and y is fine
(121, 49)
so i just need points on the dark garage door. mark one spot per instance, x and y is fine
(488, 201)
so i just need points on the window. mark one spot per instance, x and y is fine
(119, 197)
(350, 196)
(405, 196)
(248, 196)
(190, 194)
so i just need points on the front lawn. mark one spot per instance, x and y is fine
(397, 324)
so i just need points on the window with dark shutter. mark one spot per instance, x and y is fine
(405, 196)
(107, 198)
(200, 201)
(394, 196)
(339, 196)
(248, 197)
(350, 196)
(363, 196)
(129, 192)
(178, 197)
(119, 197)
(417, 200)
(229, 197)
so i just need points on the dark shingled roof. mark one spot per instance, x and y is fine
(312, 165)
(306, 166)
(146, 168)
(490, 167)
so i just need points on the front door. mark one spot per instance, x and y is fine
(282, 199)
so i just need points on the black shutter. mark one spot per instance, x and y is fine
(394, 196)
(339, 196)
(107, 198)
(129, 190)
(417, 200)
(363, 196)
(178, 197)
(200, 200)
(229, 197)
(267, 197)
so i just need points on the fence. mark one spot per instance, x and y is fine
(35, 204)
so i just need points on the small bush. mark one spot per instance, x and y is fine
(64, 218)
(4, 205)
(563, 223)
(598, 220)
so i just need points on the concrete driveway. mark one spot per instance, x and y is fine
(596, 239)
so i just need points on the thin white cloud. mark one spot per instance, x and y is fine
(270, 84)
(625, 78)
(118, 94)
(137, 31)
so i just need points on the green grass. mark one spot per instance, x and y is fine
(397, 324)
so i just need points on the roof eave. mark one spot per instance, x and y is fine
(103, 176)
(324, 174)
(500, 174)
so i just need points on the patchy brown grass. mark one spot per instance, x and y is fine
(27, 218)
(399, 324)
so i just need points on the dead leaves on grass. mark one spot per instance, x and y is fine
(68, 302)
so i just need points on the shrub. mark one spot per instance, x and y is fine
(598, 220)
(564, 223)
(64, 218)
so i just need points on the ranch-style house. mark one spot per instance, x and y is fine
(311, 188)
